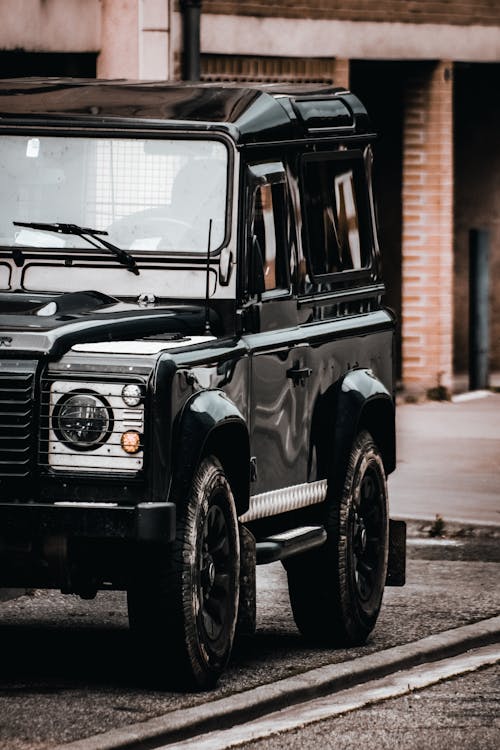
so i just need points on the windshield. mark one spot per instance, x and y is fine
(147, 194)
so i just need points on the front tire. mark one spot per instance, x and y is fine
(336, 591)
(187, 603)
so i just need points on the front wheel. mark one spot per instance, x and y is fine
(187, 604)
(336, 591)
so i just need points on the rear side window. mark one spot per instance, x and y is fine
(269, 248)
(269, 230)
(336, 212)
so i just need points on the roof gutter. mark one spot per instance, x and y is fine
(191, 12)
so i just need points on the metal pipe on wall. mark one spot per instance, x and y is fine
(191, 65)
(479, 329)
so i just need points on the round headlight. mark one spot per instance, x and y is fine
(132, 394)
(82, 421)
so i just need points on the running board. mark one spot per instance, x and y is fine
(289, 543)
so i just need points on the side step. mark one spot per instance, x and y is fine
(289, 543)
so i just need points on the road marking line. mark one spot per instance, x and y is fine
(345, 701)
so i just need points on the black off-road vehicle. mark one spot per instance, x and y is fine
(196, 368)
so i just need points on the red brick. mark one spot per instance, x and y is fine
(428, 224)
(466, 12)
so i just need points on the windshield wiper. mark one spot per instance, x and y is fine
(87, 234)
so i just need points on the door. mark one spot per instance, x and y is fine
(279, 410)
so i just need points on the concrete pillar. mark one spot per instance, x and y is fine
(119, 55)
(427, 248)
(135, 39)
(154, 39)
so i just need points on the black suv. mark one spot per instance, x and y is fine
(196, 368)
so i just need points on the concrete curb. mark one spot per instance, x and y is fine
(249, 704)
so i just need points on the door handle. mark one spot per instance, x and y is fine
(299, 374)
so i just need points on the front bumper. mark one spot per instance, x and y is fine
(146, 522)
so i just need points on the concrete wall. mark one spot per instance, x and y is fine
(50, 25)
(132, 37)
(135, 41)
(331, 37)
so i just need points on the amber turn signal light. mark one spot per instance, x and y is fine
(131, 441)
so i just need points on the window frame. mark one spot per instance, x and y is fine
(338, 278)
(139, 133)
(260, 173)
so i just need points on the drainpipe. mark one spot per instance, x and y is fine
(191, 12)
(479, 324)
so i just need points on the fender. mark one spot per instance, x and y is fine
(363, 402)
(211, 423)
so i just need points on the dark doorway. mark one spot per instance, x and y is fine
(477, 195)
(18, 64)
(380, 85)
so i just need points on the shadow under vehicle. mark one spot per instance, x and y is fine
(196, 367)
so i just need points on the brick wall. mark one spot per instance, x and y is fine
(466, 12)
(427, 249)
(248, 68)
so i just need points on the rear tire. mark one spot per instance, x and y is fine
(336, 591)
(186, 604)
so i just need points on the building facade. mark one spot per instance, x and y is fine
(429, 72)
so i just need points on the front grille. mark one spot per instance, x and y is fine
(17, 381)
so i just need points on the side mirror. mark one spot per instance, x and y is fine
(225, 266)
(256, 268)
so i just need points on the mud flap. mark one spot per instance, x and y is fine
(396, 566)
(246, 622)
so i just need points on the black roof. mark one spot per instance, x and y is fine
(249, 113)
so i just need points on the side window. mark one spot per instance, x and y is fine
(268, 225)
(337, 219)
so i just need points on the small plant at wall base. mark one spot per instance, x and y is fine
(440, 392)
(438, 527)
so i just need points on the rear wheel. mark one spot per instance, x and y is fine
(186, 605)
(336, 591)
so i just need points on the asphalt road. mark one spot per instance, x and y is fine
(68, 670)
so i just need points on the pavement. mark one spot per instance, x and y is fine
(460, 712)
(449, 461)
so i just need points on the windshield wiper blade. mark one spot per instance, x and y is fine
(87, 234)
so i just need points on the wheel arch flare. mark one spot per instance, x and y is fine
(211, 424)
(364, 403)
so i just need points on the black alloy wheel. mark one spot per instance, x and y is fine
(214, 582)
(368, 533)
(185, 601)
(336, 591)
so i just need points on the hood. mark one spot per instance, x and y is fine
(50, 325)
